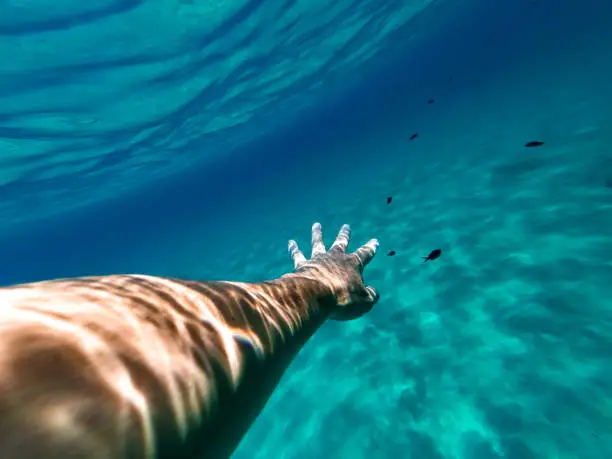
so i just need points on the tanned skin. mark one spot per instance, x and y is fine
(144, 367)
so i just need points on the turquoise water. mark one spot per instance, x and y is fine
(192, 139)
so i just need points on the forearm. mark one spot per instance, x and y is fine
(287, 313)
(166, 368)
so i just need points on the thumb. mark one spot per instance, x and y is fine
(373, 295)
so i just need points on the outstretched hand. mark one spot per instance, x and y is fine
(339, 271)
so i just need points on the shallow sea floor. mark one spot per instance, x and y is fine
(501, 348)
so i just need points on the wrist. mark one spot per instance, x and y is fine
(309, 288)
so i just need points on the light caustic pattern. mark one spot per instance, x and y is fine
(113, 327)
(138, 366)
(99, 365)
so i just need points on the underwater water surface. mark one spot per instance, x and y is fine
(194, 138)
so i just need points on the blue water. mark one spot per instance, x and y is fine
(193, 138)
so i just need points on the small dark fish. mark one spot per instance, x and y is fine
(433, 255)
(535, 143)
(391, 253)
(414, 136)
(389, 199)
(430, 101)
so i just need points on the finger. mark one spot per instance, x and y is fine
(372, 294)
(342, 241)
(296, 254)
(366, 252)
(317, 240)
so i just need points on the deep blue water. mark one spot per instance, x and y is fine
(193, 138)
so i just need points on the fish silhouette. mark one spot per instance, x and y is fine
(389, 199)
(433, 255)
(391, 253)
(414, 136)
(535, 143)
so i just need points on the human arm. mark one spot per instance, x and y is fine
(135, 366)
